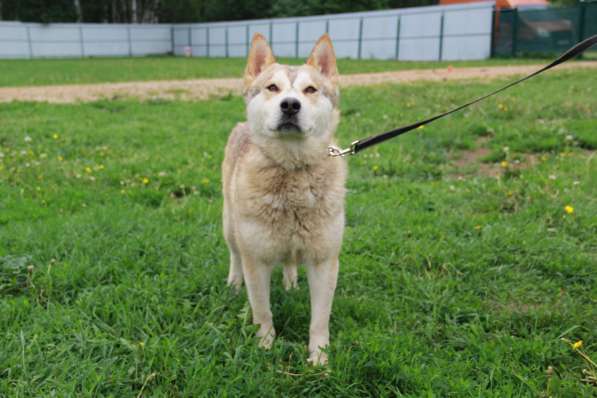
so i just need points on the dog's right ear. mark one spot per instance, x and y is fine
(260, 57)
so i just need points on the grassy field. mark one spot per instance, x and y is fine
(100, 70)
(459, 277)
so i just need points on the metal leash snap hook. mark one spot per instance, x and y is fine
(334, 151)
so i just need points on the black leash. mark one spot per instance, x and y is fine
(359, 145)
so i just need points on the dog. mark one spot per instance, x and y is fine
(283, 194)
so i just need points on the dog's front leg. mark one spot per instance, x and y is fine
(322, 284)
(257, 279)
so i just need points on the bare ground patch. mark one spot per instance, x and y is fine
(473, 162)
(203, 89)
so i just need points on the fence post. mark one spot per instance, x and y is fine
(271, 34)
(29, 41)
(441, 37)
(247, 38)
(172, 41)
(582, 12)
(208, 52)
(360, 38)
(514, 32)
(296, 37)
(226, 40)
(327, 26)
(397, 36)
(128, 34)
(190, 39)
(492, 40)
(81, 41)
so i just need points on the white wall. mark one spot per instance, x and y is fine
(31, 40)
(456, 32)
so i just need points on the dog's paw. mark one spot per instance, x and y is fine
(266, 335)
(235, 281)
(318, 358)
(290, 277)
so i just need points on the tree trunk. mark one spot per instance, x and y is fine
(77, 9)
(134, 11)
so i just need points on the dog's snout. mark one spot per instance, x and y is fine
(290, 106)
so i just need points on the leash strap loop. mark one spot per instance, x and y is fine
(359, 145)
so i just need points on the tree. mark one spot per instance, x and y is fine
(45, 11)
(180, 11)
(149, 11)
(231, 10)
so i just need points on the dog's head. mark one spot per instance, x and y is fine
(292, 102)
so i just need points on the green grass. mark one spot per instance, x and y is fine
(452, 283)
(101, 70)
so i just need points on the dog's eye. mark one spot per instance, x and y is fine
(310, 90)
(273, 88)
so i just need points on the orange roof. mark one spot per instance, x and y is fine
(516, 3)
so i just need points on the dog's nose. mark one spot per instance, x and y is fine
(290, 106)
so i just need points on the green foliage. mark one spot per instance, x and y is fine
(452, 283)
(44, 11)
(289, 8)
(186, 10)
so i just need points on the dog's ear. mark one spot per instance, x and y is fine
(260, 57)
(323, 57)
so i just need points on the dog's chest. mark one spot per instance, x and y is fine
(290, 203)
(293, 199)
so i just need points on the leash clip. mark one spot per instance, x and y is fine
(334, 151)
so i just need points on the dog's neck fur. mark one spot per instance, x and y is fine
(294, 153)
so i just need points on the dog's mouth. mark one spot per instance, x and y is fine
(289, 126)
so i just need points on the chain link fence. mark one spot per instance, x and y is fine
(543, 32)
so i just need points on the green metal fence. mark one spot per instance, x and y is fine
(541, 32)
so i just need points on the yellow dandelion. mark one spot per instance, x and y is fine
(477, 227)
(60, 158)
(375, 168)
(569, 209)
(88, 170)
(205, 181)
(504, 164)
(577, 345)
(145, 180)
(55, 136)
(421, 127)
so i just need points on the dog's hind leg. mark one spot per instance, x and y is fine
(290, 275)
(235, 273)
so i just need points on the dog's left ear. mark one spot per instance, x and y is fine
(323, 57)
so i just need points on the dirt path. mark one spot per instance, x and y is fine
(206, 88)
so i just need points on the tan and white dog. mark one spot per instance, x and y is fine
(283, 195)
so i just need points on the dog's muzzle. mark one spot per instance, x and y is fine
(290, 107)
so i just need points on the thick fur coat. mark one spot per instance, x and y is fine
(283, 196)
